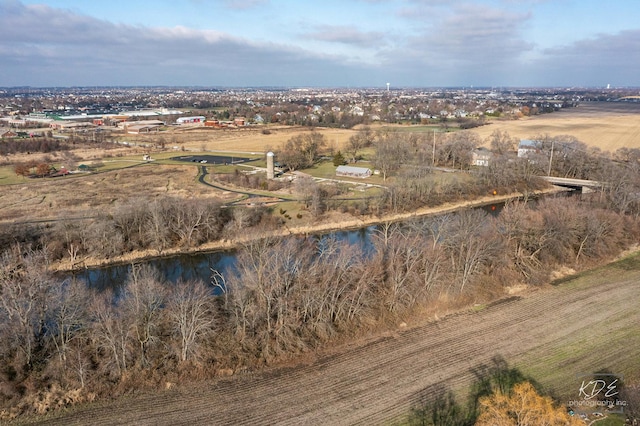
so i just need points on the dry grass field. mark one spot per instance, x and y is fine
(607, 126)
(250, 139)
(581, 326)
(86, 195)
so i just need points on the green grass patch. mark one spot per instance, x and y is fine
(610, 420)
(109, 165)
(326, 170)
(629, 263)
(293, 213)
(9, 177)
(417, 128)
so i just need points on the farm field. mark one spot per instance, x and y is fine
(583, 325)
(604, 125)
(250, 139)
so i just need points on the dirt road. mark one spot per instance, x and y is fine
(579, 326)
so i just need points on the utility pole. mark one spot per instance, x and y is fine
(551, 157)
(433, 154)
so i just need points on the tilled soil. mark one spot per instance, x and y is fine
(378, 382)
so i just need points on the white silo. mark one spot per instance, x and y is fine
(270, 173)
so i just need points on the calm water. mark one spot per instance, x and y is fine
(200, 266)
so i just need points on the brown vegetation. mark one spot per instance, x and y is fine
(605, 126)
(285, 298)
(378, 380)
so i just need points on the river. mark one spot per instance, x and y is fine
(200, 265)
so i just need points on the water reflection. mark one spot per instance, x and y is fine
(199, 266)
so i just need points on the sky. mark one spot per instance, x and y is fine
(320, 43)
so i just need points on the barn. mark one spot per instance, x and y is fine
(351, 171)
(191, 120)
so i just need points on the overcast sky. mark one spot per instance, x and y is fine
(320, 43)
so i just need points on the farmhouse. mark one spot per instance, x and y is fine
(528, 147)
(481, 157)
(351, 171)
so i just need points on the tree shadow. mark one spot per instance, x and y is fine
(437, 405)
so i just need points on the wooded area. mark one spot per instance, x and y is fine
(287, 297)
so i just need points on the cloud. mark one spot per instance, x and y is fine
(478, 34)
(463, 44)
(244, 4)
(40, 45)
(346, 35)
(439, 45)
(594, 61)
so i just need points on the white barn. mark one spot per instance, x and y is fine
(191, 120)
(351, 171)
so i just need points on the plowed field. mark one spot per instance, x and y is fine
(580, 326)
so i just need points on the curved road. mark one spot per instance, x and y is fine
(202, 179)
(378, 381)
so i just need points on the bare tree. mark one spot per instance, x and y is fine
(301, 150)
(68, 317)
(525, 237)
(391, 152)
(469, 245)
(111, 332)
(362, 139)
(191, 315)
(158, 228)
(25, 284)
(457, 148)
(501, 142)
(403, 264)
(143, 298)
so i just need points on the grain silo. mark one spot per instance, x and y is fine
(270, 173)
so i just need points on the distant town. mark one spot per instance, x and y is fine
(144, 110)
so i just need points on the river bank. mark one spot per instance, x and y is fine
(331, 221)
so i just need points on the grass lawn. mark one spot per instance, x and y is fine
(326, 170)
(8, 176)
(611, 346)
(418, 128)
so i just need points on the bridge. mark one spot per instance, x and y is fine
(581, 184)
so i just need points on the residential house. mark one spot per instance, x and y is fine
(8, 134)
(481, 157)
(528, 148)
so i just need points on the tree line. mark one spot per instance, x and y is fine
(285, 296)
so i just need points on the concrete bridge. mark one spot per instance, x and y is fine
(583, 185)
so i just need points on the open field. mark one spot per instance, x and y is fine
(250, 139)
(579, 326)
(607, 126)
(86, 194)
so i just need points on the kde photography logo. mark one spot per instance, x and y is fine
(598, 392)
